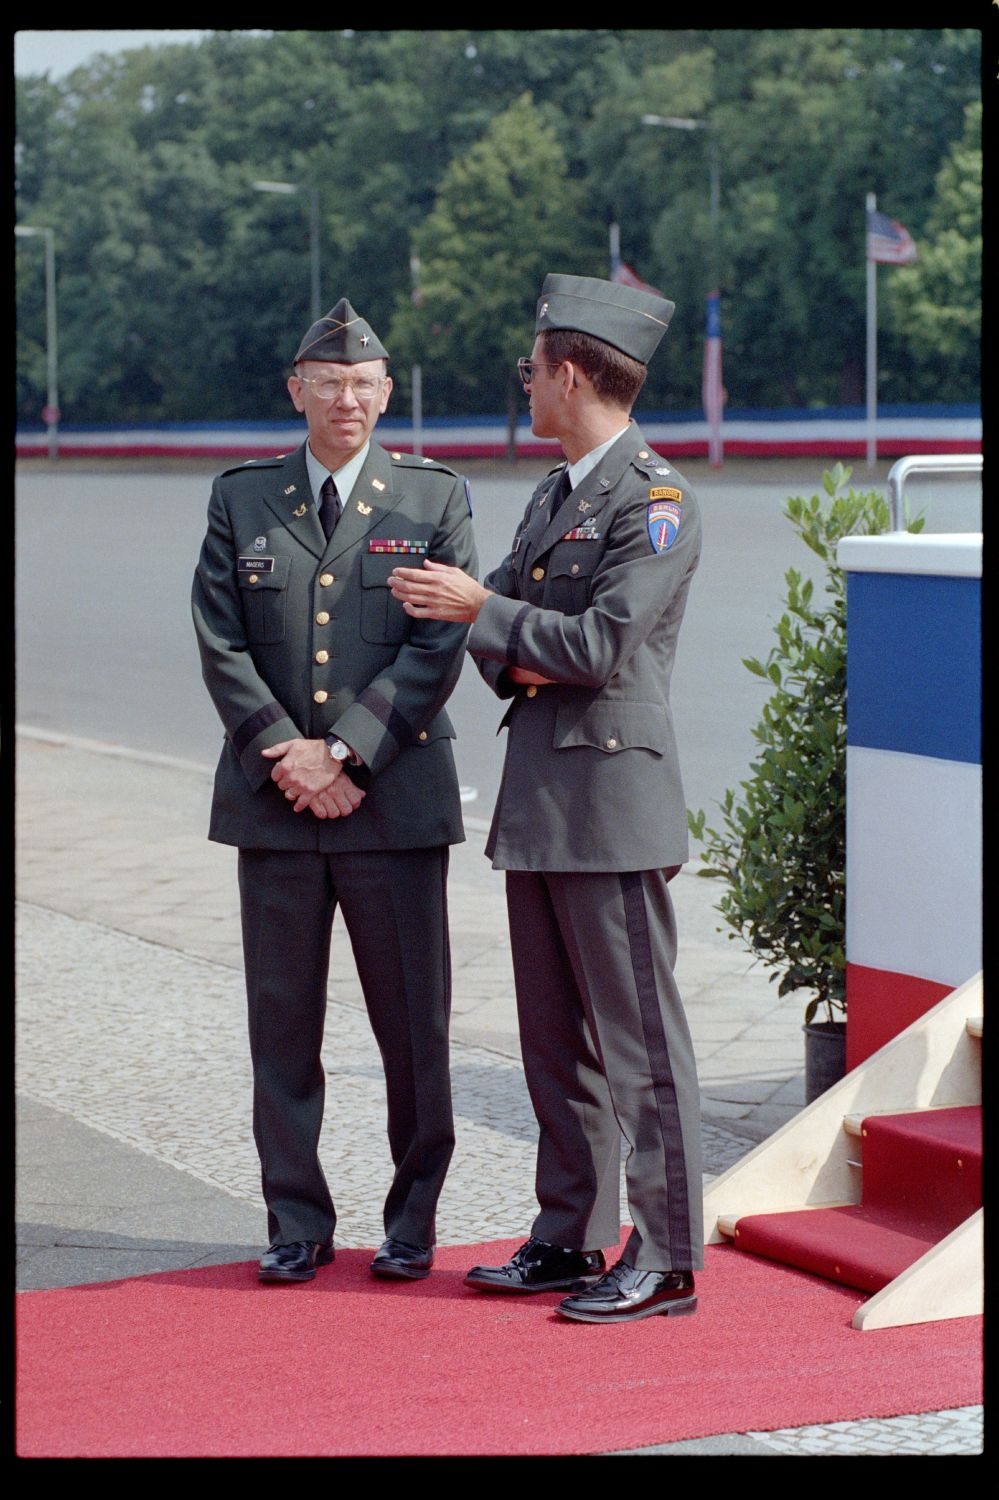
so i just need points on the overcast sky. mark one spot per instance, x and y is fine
(59, 52)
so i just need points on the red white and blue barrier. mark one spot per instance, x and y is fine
(833, 432)
(914, 777)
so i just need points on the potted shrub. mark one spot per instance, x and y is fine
(781, 845)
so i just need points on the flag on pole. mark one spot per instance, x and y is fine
(888, 242)
(712, 390)
(620, 270)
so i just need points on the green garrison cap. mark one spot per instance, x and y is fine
(342, 338)
(628, 319)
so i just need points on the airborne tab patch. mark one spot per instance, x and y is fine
(663, 522)
(665, 492)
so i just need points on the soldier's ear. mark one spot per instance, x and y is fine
(295, 392)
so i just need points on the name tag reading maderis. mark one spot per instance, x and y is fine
(396, 544)
(255, 564)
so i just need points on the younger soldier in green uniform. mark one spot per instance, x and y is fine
(578, 626)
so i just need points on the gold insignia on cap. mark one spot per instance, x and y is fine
(300, 511)
(377, 484)
(364, 509)
(364, 340)
(333, 326)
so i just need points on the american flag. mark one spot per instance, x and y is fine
(888, 242)
(712, 390)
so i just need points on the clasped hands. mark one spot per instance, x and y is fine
(309, 778)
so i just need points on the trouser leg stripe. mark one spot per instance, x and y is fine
(659, 1061)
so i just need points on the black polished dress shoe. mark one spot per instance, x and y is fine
(401, 1262)
(625, 1294)
(539, 1267)
(296, 1261)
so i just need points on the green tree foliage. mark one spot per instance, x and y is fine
(781, 848)
(183, 291)
(937, 301)
(507, 212)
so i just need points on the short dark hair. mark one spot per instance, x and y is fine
(616, 378)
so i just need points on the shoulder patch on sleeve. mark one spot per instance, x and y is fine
(662, 519)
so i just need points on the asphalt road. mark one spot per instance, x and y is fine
(105, 648)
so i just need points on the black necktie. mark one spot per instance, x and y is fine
(559, 490)
(329, 506)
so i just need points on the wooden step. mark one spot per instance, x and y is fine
(921, 1179)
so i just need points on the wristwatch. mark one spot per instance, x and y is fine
(337, 749)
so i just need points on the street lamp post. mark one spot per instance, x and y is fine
(51, 413)
(713, 395)
(678, 122)
(313, 196)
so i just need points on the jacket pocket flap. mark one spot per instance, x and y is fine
(613, 726)
(574, 559)
(263, 572)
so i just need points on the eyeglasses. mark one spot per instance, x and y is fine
(527, 367)
(365, 388)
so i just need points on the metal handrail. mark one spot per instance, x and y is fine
(924, 463)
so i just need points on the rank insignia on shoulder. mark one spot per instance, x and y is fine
(663, 522)
(665, 492)
(377, 484)
(661, 468)
(395, 544)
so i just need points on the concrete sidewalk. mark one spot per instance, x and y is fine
(134, 1150)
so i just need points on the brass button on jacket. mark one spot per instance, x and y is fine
(322, 656)
(326, 579)
(532, 691)
(321, 696)
(322, 618)
(537, 574)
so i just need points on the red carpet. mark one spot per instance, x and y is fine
(209, 1363)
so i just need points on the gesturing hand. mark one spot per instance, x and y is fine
(437, 591)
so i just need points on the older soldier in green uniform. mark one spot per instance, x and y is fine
(579, 626)
(337, 781)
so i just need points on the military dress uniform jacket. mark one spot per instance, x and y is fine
(591, 779)
(300, 636)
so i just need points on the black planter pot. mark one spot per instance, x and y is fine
(825, 1056)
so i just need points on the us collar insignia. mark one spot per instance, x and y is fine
(663, 522)
(290, 489)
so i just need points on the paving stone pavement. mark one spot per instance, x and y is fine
(134, 1150)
